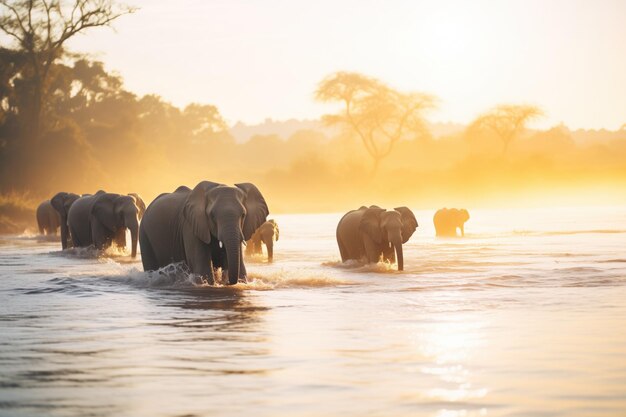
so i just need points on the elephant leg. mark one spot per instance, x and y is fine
(198, 257)
(389, 255)
(100, 235)
(218, 255)
(148, 258)
(342, 251)
(255, 247)
(372, 251)
(73, 239)
(120, 238)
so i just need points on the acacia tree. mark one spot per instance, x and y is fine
(378, 114)
(39, 29)
(506, 121)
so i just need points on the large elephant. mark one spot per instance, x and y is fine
(266, 233)
(62, 202)
(448, 220)
(48, 219)
(203, 227)
(102, 219)
(373, 233)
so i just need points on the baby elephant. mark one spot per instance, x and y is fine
(448, 220)
(266, 233)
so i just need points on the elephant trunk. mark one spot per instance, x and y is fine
(397, 246)
(133, 225)
(232, 242)
(64, 232)
(134, 233)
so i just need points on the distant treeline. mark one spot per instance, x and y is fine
(96, 134)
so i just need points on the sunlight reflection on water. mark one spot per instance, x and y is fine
(523, 317)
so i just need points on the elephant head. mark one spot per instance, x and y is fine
(139, 203)
(62, 202)
(409, 223)
(111, 214)
(229, 214)
(461, 217)
(268, 232)
(387, 229)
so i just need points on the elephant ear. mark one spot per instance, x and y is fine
(104, 210)
(194, 211)
(409, 223)
(63, 201)
(370, 223)
(256, 209)
(141, 206)
(57, 202)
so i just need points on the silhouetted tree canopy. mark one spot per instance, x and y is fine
(506, 121)
(38, 30)
(377, 113)
(99, 135)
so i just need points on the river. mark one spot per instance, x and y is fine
(526, 316)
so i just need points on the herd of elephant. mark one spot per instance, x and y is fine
(205, 227)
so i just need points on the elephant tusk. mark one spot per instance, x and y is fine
(221, 244)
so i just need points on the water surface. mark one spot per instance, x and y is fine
(524, 317)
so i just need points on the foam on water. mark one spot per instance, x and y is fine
(291, 279)
(176, 276)
(121, 255)
(353, 265)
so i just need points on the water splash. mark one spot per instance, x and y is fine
(90, 252)
(358, 266)
(256, 258)
(291, 279)
(178, 276)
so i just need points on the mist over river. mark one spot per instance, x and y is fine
(526, 316)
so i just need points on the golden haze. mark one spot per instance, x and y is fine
(80, 129)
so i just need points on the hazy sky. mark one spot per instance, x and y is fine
(258, 59)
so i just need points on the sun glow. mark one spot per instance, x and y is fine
(470, 54)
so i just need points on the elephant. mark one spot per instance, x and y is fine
(203, 227)
(139, 203)
(62, 202)
(102, 219)
(373, 233)
(448, 220)
(48, 219)
(266, 233)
